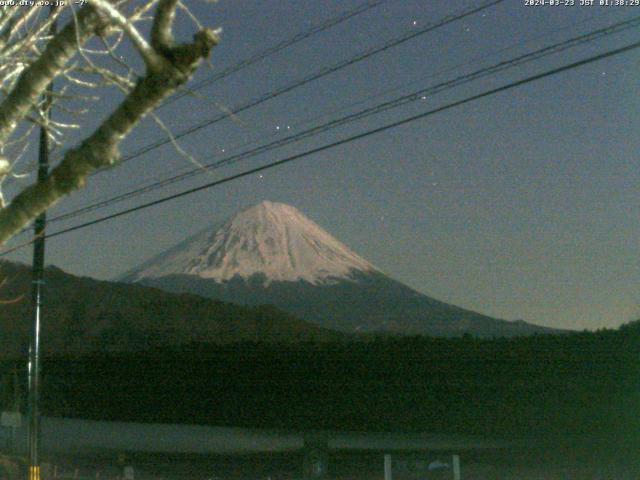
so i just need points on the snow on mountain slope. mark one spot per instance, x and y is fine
(272, 254)
(270, 239)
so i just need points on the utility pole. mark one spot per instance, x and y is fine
(37, 282)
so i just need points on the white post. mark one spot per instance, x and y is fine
(128, 473)
(456, 467)
(387, 467)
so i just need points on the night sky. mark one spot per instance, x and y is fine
(522, 205)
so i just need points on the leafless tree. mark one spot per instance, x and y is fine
(83, 56)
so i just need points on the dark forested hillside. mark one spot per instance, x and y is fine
(129, 352)
(579, 383)
(83, 315)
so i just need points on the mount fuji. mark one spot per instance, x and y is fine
(271, 253)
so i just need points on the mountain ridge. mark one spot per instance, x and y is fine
(270, 238)
(252, 259)
(82, 315)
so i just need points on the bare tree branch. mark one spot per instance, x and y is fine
(151, 59)
(161, 36)
(100, 149)
(34, 79)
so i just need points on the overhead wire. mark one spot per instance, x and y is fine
(261, 55)
(159, 178)
(382, 107)
(315, 76)
(352, 138)
(201, 84)
(284, 44)
(309, 78)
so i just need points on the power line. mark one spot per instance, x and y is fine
(359, 136)
(394, 103)
(143, 185)
(368, 53)
(321, 27)
(300, 36)
(310, 78)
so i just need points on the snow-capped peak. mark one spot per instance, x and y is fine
(271, 239)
